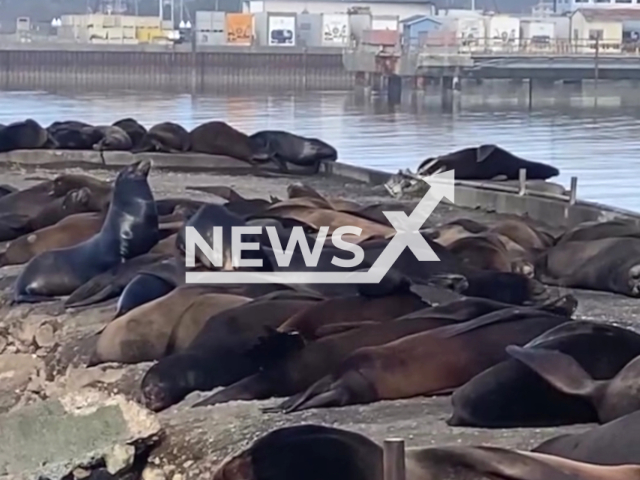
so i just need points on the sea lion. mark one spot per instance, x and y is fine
(100, 190)
(597, 230)
(166, 137)
(133, 129)
(301, 369)
(111, 283)
(490, 252)
(610, 265)
(450, 232)
(167, 206)
(318, 452)
(218, 354)
(144, 288)
(130, 229)
(24, 135)
(513, 395)
(523, 234)
(220, 138)
(76, 201)
(283, 147)
(206, 218)
(68, 232)
(613, 443)
(149, 332)
(7, 189)
(611, 398)
(73, 135)
(428, 363)
(113, 138)
(485, 163)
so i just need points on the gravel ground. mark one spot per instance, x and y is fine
(198, 439)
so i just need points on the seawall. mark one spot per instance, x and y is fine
(557, 209)
(176, 68)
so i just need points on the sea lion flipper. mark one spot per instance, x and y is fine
(561, 371)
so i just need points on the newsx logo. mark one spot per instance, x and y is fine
(407, 236)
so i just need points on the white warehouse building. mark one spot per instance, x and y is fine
(402, 9)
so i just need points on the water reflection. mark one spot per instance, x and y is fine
(596, 140)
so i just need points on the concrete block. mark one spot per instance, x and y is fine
(52, 438)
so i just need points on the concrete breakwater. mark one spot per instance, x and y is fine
(90, 67)
(540, 200)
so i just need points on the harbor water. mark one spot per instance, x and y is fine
(588, 133)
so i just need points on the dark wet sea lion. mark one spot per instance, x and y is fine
(70, 231)
(506, 287)
(72, 135)
(113, 138)
(600, 230)
(148, 332)
(611, 398)
(166, 137)
(206, 218)
(134, 130)
(218, 354)
(428, 363)
(284, 147)
(111, 283)
(300, 370)
(512, 395)
(130, 229)
(610, 265)
(76, 201)
(220, 138)
(313, 452)
(614, 443)
(24, 135)
(142, 289)
(485, 163)
(7, 189)
(318, 452)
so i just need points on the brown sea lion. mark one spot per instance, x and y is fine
(76, 201)
(220, 138)
(343, 313)
(218, 355)
(166, 137)
(610, 265)
(428, 363)
(513, 395)
(134, 130)
(523, 234)
(611, 399)
(69, 231)
(300, 370)
(167, 245)
(100, 190)
(146, 333)
(597, 230)
(614, 443)
(450, 232)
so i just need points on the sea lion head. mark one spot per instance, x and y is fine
(77, 198)
(634, 280)
(136, 171)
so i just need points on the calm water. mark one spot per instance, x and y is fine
(596, 137)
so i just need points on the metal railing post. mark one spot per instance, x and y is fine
(393, 459)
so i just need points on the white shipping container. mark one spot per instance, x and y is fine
(538, 31)
(335, 29)
(470, 33)
(385, 23)
(503, 33)
(281, 30)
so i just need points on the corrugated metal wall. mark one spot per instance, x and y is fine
(176, 71)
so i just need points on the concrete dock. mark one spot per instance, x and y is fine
(196, 440)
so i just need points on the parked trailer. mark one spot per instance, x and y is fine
(335, 30)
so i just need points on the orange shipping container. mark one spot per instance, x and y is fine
(239, 28)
